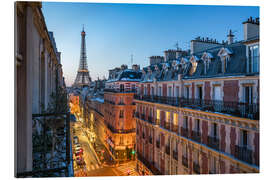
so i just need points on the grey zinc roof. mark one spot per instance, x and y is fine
(235, 66)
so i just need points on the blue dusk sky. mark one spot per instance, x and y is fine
(115, 31)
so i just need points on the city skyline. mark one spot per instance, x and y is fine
(140, 26)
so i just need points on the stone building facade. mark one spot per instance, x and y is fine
(199, 114)
(38, 73)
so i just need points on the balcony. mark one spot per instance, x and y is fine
(120, 90)
(149, 165)
(244, 154)
(238, 109)
(167, 126)
(196, 168)
(158, 144)
(157, 122)
(185, 161)
(143, 117)
(196, 136)
(175, 155)
(213, 142)
(110, 102)
(150, 119)
(50, 159)
(167, 150)
(174, 128)
(184, 132)
(119, 131)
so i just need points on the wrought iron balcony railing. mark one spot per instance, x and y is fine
(184, 132)
(243, 153)
(167, 126)
(185, 161)
(167, 149)
(196, 168)
(120, 90)
(213, 142)
(174, 128)
(119, 131)
(175, 155)
(196, 136)
(149, 165)
(239, 109)
(51, 145)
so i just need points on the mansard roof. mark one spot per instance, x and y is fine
(127, 75)
(236, 65)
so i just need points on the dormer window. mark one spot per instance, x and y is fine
(206, 57)
(224, 55)
(194, 61)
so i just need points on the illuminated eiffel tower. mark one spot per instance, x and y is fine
(83, 78)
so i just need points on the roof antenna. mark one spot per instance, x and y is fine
(131, 59)
(177, 45)
(83, 27)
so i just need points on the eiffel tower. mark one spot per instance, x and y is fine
(83, 78)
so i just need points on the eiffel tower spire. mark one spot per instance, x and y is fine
(83, 78)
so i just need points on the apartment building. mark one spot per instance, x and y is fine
(119, 111)
(199, 113)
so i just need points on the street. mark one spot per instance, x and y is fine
(93, 166)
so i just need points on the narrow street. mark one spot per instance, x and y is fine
(93, 167)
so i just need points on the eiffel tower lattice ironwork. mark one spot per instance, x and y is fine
(83, 78)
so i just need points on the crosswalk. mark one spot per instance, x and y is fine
(124, 169)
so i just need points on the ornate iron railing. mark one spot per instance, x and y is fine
(239, 109)
(51, 145)
(244, 154)
(120, 90)
(184, 132)
(196, 136)
(149, 165)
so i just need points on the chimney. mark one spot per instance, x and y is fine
(251, 28)
(230, 37)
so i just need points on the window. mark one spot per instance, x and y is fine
(170, 92)
(248, 94)
(196, 155)
(253, 58)
(121, 115)
(177, 91)
(187, 92)
(213, 164)
(133, 87)
(175, 119)
(214, 130)
(197, 125)
(121, 100)
(133, 114)
(244, 138)
(158, 116)
(159, 91)
(217, 93)
(199, 93)
(167, 117)
(152, 91)
(122, 87)
(185, 122)
(121, 140)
